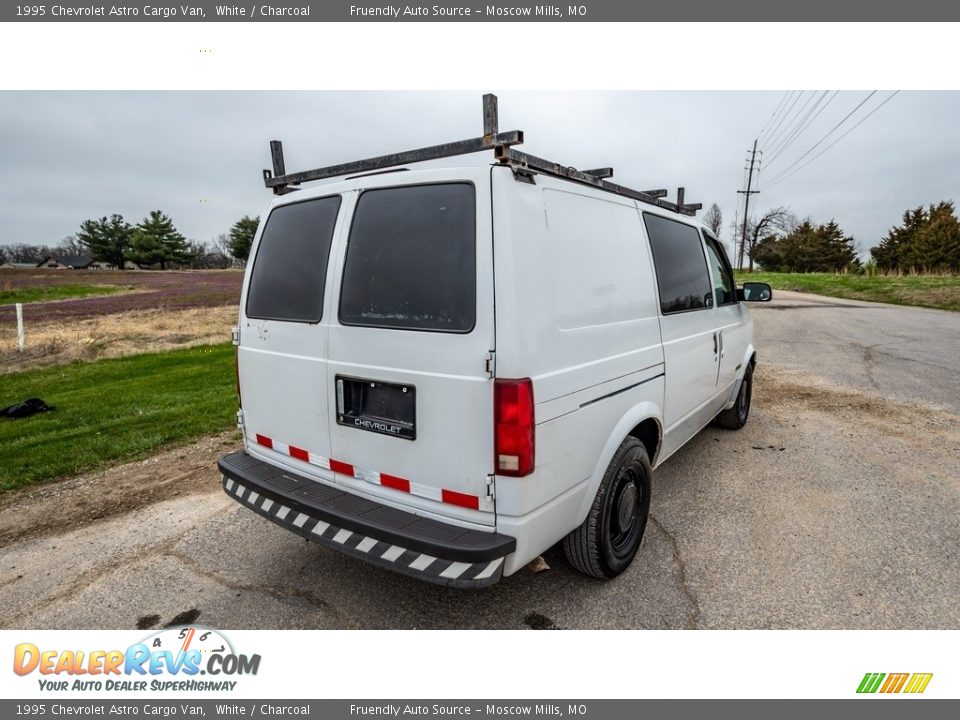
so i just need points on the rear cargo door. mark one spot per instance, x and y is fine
(411, 399)
(284, 336)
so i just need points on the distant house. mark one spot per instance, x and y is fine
(22, 265)
(73, 262)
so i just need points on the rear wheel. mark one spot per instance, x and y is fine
(608, 540)
(736, 417)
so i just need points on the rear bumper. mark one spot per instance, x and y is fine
(400, 541)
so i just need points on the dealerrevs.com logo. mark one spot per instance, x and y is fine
(172, 659)
(912, 683)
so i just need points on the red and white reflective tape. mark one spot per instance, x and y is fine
(451, 497)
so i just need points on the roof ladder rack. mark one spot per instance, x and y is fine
(501, 143)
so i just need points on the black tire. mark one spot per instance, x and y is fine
(736, 417)
(608, 540)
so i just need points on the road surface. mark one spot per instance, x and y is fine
(837, 506)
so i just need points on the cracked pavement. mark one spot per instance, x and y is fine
(837, 506)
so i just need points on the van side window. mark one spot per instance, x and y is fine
(723, 286)
(290, 269)
(411, 259)
(680, 264)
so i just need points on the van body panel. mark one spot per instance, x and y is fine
(588, 335)
(736, 329)
(582, 322)
(690, 391)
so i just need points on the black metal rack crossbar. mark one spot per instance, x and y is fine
(523, 164)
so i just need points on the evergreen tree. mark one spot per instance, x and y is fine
(936, 245)
(108, 240)
(156, 241)
(808, 248)
(927, 241)
(241, 237)
(833, 251)
(889, 254)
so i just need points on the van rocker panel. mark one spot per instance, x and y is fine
(400, 541)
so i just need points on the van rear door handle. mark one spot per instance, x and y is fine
(714, 343)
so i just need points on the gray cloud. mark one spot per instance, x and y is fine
(67, 156)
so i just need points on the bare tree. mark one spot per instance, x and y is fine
(24, 253)
(713, 219)
(69, 246)
(221, 244)
(779, 220)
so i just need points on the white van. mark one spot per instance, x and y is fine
(447, 371)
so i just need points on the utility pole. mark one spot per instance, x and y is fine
(746, 204)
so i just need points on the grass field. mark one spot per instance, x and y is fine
(170, 290)
(114, 410)
(932, 291)
(80, 315)
(44, 293)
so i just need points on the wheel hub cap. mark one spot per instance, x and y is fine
(627, 506)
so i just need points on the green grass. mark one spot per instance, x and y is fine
(932, 291)
(114, 410)
(55, 292)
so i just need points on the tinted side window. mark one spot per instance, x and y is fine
(681, 268)
(723, 285)
(290, 270)
(411, 259)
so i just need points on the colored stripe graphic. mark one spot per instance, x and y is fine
(456, 498)
(341, 467)
(394, 482)
(918, 683)
(895, 683)
(870, 682)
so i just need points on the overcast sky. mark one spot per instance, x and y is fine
(198, 156)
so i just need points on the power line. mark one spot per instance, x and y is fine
(784, 117)
(812, 114)
(784, 177)
(776, 112)
(807, 124)
(822, 139)
(788, 126)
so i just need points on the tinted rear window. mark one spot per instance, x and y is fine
(411, 259)
(681, 268)
(290, 269)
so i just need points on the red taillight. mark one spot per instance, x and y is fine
(513, 426)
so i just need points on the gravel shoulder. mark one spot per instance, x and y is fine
(61, 507)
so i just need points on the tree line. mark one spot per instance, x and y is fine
(154, 242)
(927, 241)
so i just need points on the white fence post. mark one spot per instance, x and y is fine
(20, 327)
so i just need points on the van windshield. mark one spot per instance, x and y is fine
(411, 259)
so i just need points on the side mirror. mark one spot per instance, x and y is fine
(755, 292)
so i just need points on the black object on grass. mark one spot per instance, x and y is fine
(25, 409)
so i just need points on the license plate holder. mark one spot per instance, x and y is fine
(376, 406)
